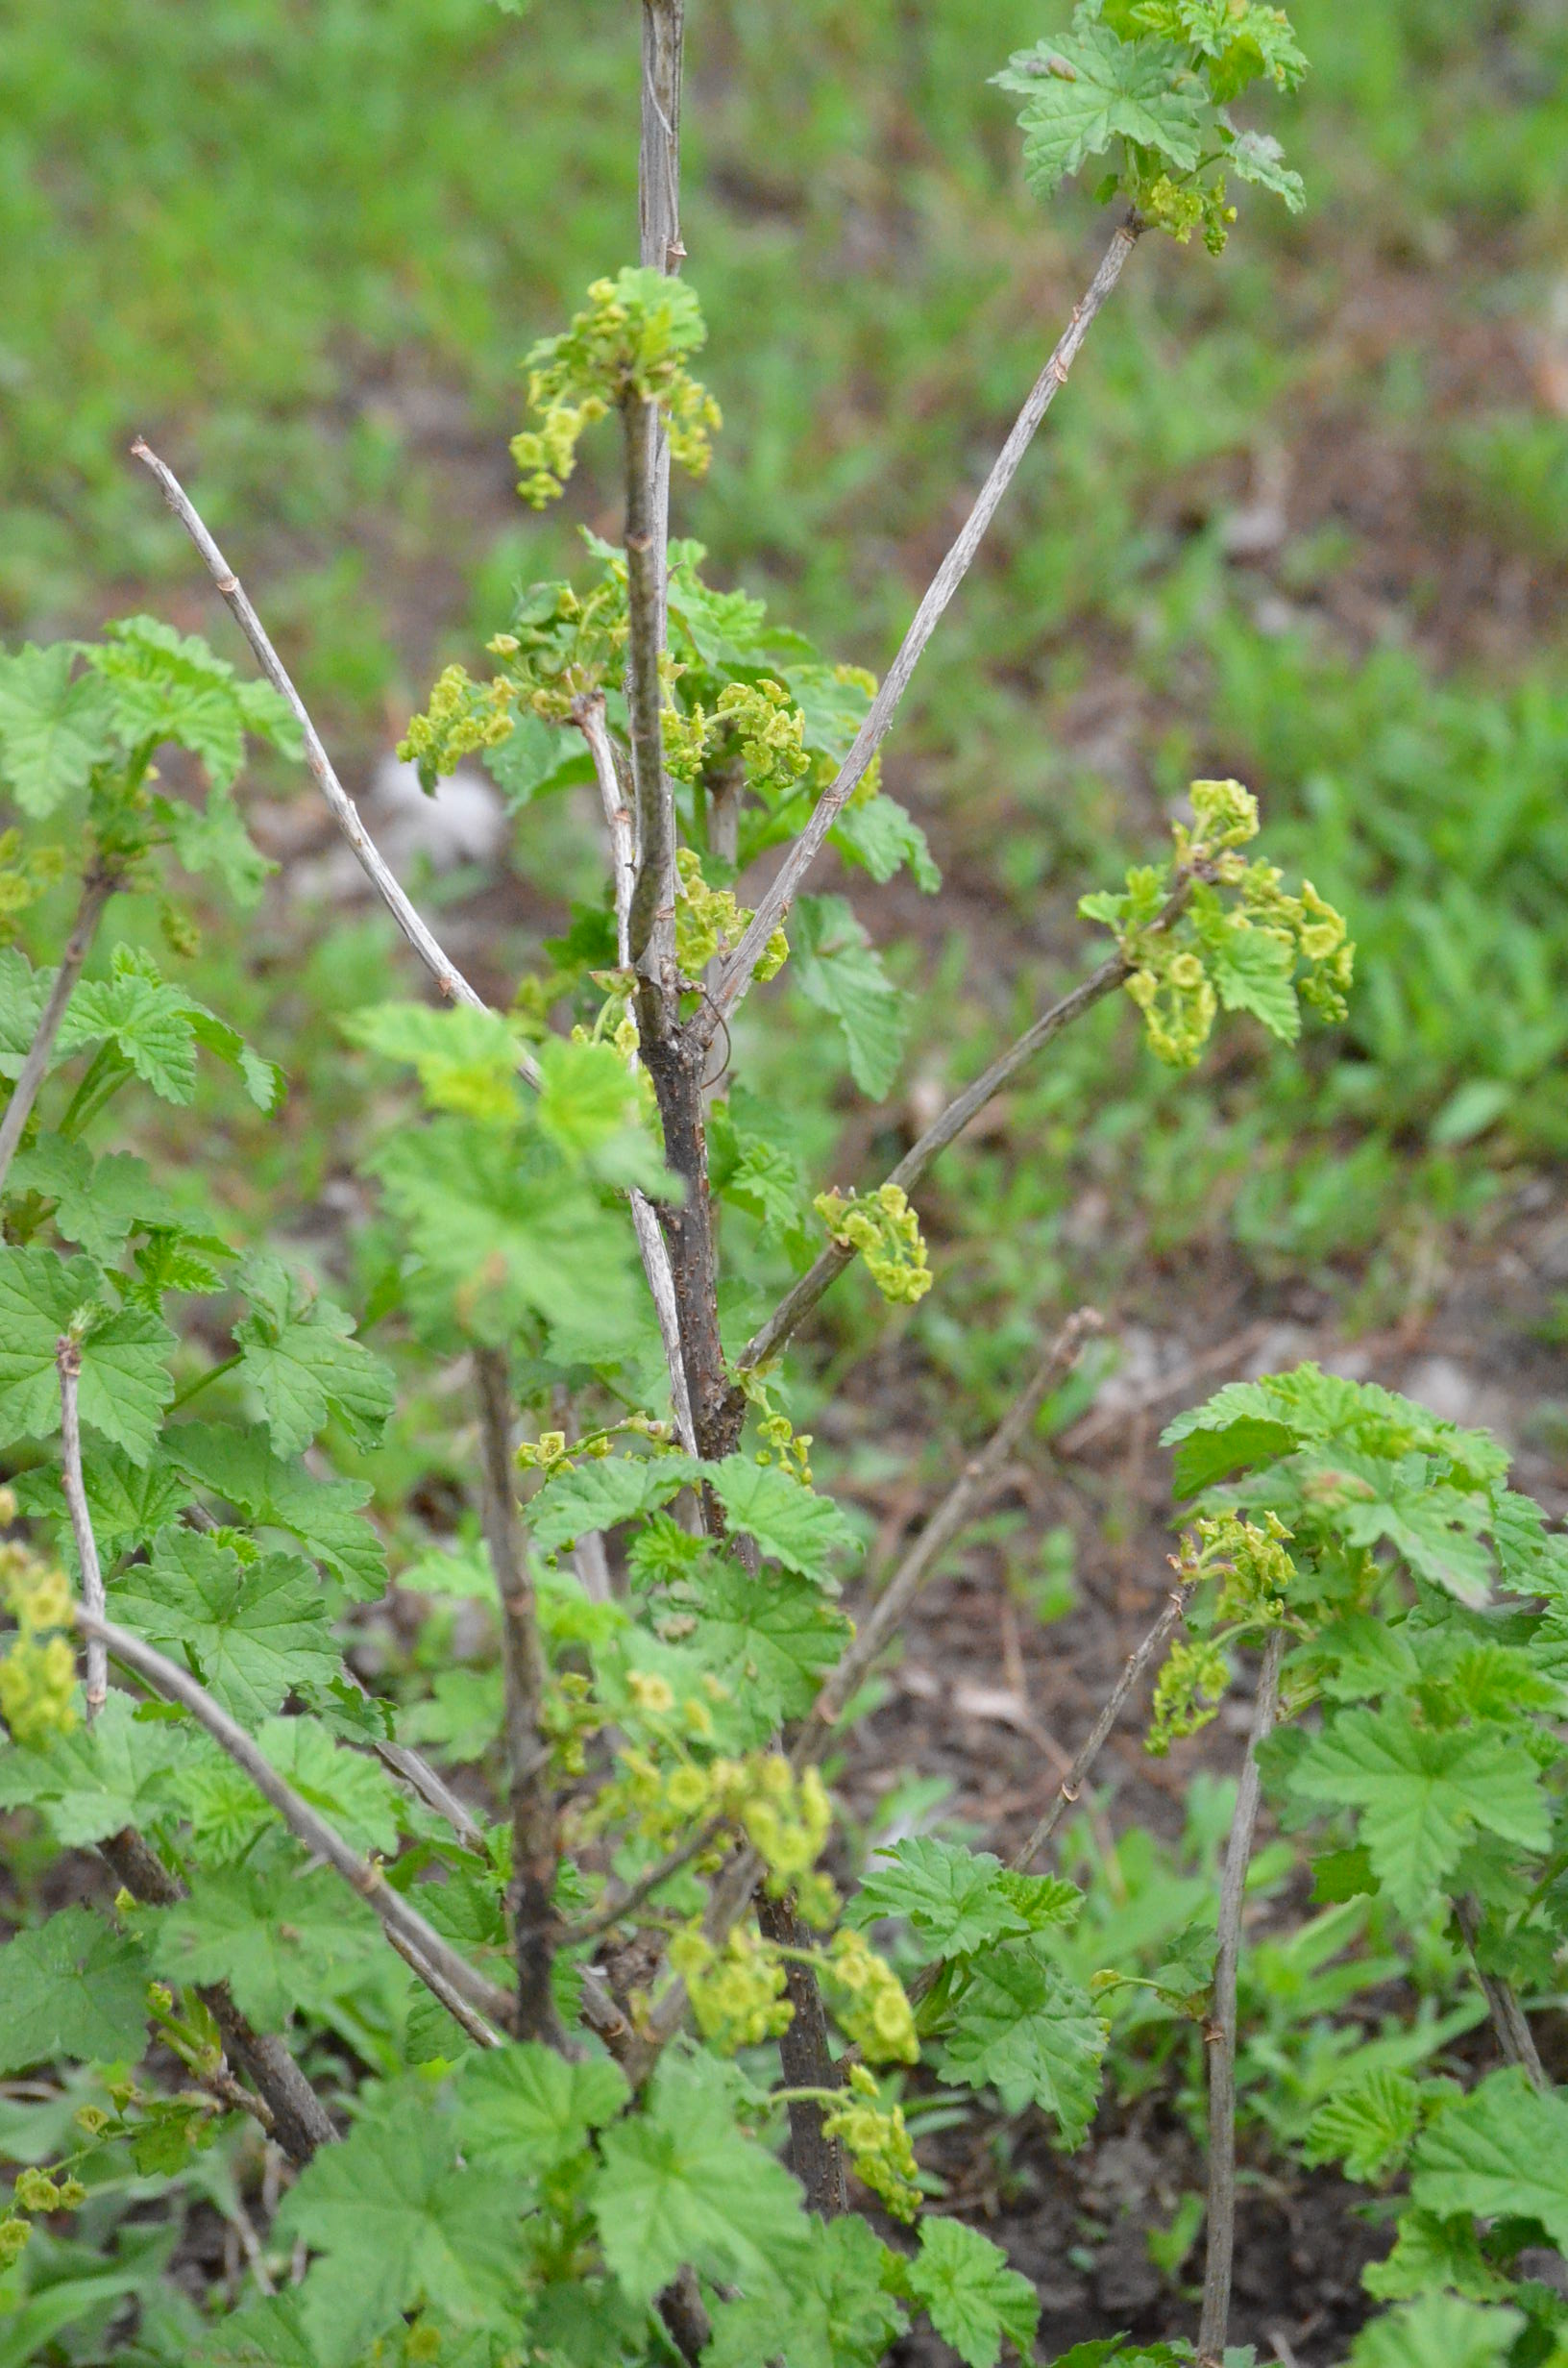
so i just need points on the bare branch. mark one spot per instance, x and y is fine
(588, 714)
(97, 887)
(780, 892)
(1221, 2031)
(625, 1901)
(1510, 2026)
(658, 207)
(466, 2017)
(449, 978)
(535, 1844)
(68, 1359)
(1073, 1782)
(962, 1505)
(651, 917)
(400, 1919)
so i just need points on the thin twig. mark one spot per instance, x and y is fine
(449, 978)
(1072, 1783)
(535, 1836)
(467, 2018)
(68, 1359)
(963, 1504)
(365, 1876)
(659, 208)
(97, 887)
(625, 1901)
(804, 1296)
(1510, 2025)
(780, 892)
(652, 916)
(1221, 2031)
(588, 714)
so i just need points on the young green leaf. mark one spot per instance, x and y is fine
(1019, 2026)
(1438, 2331)
(280, 1938)
(125, 1382)
(72, 1986)
(1500, 2152)
(790, 1523)
(976, 2302)
(681, 2183)
(572, 1504)
(249, 1630)
(959, 1900)
(1420, 1794)
(835, 968)
(397, 2219)
(1085, 88)
(300, 1355)
(526, 2110)
(237, 1464)
(55, 726)
(841, 2311)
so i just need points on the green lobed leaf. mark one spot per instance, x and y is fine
(835, 966)
(1368, 2127)
(249, 1630)
(1020, 2026)
(55, 726)
(681, 2183)
(526, 2110)
(1500, 2152)
(125, 1383)
(1439, 2331)
(976, 2302)
(300, 1355)
(282, 1936)
(395, 2219)
(592, 1497)
(1085, 88)
(1420, 1794)
(959, 1900)
(770, 1641)
(96, 1780)
(74, 1987)
(790, 1521)
(237, 1464)
(841, 2311)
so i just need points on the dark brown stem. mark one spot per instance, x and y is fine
(1510, 2025)
(98, 886)
(651, 920)
(297, 2119)
(675, 1065)
(687, 2324)
(816, 2159)
(535, 1832)
(1221, 2031)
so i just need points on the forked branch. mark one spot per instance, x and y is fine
(449, 978)
(780, 893)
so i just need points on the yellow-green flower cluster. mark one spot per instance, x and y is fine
(869, 2000)
(759, 722)
(37, 2192)
(25, 874)
(785, 1446)
(1224, 817)
(737, 1993)
(1188, 1690)
(463, 716)
(629, 343)
(877, 2143)
(1256, 1569)
(1179, 209)
(38, 1671)
(1171, 989)
(786, 1817)
(1311, 925)
(886, 1231)
(708, 922)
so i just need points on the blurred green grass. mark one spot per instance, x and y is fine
(1300, 516)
